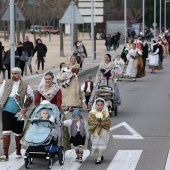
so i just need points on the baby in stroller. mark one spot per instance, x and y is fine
(44, 134)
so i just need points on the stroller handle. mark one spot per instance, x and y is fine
(41, 120)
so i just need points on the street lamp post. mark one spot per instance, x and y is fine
(143, 17)
(165, 14)
(154, 18)
(72, 25)
(160, 17)
(125, 21)
(12, 34)
(92, 31)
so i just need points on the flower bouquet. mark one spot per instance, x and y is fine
(126, 50)
(139, 53)
(149, 50)
(99, 117)
(23, 105)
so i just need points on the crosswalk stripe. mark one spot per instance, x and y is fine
(70, 163)
(13, 164)
(125, 160)
(167, 166)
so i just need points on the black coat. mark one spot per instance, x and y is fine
(1, 57)
(29, 48)
(114, 39)
(20, 49)
(41, 50)
(145, 50)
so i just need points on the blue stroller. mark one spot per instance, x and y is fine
(44, 136)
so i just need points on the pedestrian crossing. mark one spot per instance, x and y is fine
(123, 160)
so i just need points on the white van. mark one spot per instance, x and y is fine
(37, 29)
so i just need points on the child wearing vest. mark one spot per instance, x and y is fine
(79, 133)
(87, 88)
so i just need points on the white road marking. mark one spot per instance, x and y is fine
(125, 160)
(13, 164)
(167, 166)
(70, 163)
(135, 134)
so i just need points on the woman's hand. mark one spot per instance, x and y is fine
(96, 123)
(23, 111)
(103, 124)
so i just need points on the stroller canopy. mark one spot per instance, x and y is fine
(52, 109)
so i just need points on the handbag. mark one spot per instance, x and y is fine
(82, 59)
(24, 56)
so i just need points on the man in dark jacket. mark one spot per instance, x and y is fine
(29, 48)
(145, 52)
(118, 38)
(133, 33)
(41, 50)
(114, 41)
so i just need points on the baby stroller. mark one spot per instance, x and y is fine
(108, 94)
(44, 136)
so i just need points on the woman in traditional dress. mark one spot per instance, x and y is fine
(165, 47)
(50, 91)
(135, 65)
(105, 77)
(153, 56)
(72, 96)
(99, 126)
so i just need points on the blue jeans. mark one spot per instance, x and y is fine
(108, 47)
(3, 74)
(114, 46)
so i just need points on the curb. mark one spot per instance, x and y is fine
(87, 71)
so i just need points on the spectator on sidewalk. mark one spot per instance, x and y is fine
(118, 38)
(84, 49)
(29, 48)
(133, 33)
(20, 49)
(2, 67)
(41, 50)
(79, 53)
(114, 41)
(108, 42)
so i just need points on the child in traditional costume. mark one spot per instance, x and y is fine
(119, 67)
(79, 133)
(87, 88)
(99, 122)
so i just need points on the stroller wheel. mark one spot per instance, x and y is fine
(50, 163)
(116, 110)
(27, 163)
(61, 156)
(31, 160)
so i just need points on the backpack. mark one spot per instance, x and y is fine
(24, 56)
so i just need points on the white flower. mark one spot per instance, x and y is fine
(99, 115)
(126, 49)
(139, 52)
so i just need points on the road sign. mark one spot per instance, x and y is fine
(154, 24)
(135, 134)
(97, 11)
(97, 19)
(18, 14)
(70, 16)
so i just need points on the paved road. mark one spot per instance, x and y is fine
(141, 129)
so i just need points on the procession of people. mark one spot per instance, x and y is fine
(64, 91)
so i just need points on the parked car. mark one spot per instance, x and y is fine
(49, 29)
(35, 29)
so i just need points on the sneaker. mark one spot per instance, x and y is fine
(37, 72)
(18, 156)
(3, 158)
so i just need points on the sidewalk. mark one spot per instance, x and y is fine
(53, 58)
